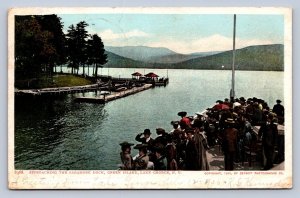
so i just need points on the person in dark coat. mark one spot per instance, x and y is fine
(279, 110)
(146, 139)
(257, 114)
(191, 158)
(160, 161)
(268, 132)
(171, 154)
(230, 143)
(161, 139)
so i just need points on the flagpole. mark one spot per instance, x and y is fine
(232, 91)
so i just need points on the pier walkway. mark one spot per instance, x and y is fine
(114, 95)
(57, 90)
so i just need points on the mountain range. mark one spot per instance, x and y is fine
(259, 57)
(140, 53)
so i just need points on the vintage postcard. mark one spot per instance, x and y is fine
(150, 98)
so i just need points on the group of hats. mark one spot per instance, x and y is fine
(159, 149)
(183, 113)
(125, 143)
(138, 146)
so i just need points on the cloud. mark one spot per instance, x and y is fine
(109, 35)
(215, 42)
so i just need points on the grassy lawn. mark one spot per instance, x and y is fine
(56, 81)
(69, 81)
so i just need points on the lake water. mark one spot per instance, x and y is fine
(57, 133)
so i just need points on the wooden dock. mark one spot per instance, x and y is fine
(58, 90)
(116, 95)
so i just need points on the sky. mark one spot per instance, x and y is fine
(182, 33)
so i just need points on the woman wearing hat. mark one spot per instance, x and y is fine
(161, 139)
(185, 122)
(141, 161)
(126, 158)
(201, 146)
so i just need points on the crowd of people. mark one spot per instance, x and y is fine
(228, 124)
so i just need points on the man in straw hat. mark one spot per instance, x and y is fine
(125, 154)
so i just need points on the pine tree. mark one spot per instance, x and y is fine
(96, 53)
(77, 46)
(82, 35)
(72, 49)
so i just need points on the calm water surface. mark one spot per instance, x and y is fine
(56, 133)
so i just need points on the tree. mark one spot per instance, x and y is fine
(82, 36)
(96, 53)
(33, 48)
(77, 46)
(71, 48)
(53, 24)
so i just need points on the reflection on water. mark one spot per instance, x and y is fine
(57, 133)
